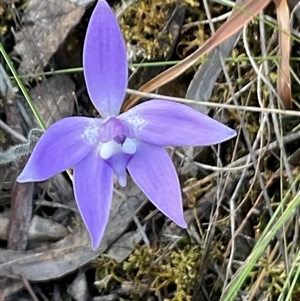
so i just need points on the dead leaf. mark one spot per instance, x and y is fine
(53, 98)
(20, 215)
(72, 252)
(78, 289)
(9, 286)
(49, 22)
(40, 229)
(124, 246)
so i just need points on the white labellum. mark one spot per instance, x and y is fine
(111, 147)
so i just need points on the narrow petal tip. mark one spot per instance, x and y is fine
(164, 122)
(27, 176)
(153, 171)
(180, 221)
(93, 186)
(105, 61)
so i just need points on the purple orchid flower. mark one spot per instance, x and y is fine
(98, 148)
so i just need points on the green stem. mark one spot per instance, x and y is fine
(22, 87)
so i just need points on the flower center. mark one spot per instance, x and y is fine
(112, 147)
(117, 145)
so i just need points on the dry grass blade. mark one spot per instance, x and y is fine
(237, 20)
(284, 75)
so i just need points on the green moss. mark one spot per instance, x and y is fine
(143, 22)
(166, 272)
(6, 14)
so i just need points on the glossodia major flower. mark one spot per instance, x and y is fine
(99, 148)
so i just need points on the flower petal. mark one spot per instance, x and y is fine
(118, 162)
(93, 185)
(62, 146)
(105, 61)
(163, 122)
(153, 171)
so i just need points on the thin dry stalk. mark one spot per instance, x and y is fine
(284, 75)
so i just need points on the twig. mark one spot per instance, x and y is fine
(217, 105)
(241, 161)
(12, 132)
(29, 288)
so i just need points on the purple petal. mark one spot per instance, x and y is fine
(105, 61)
(153, 171)
(62, 146)
(93, 185)
(118, 163)
(165, 122)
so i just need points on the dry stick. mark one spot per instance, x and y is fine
(284, 75)
(220, 18)
(218, 105)
(241, 161)
(238, 19)
(275, 250)
(240, 228)
(135, 218)
(282, 86)
(272, 105)
(296, 7)
(278, 136)
(219, 193)
(264, 66)
(12, 132)
(265, 120)
(271, 100)
(255, 162)
(29, 288)
(252, 154)
(234, 194)
(211, 229)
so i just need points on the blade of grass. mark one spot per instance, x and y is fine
(268, 234)
(22, 87)
(237, 59)
(295, 279)
(293, 273)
